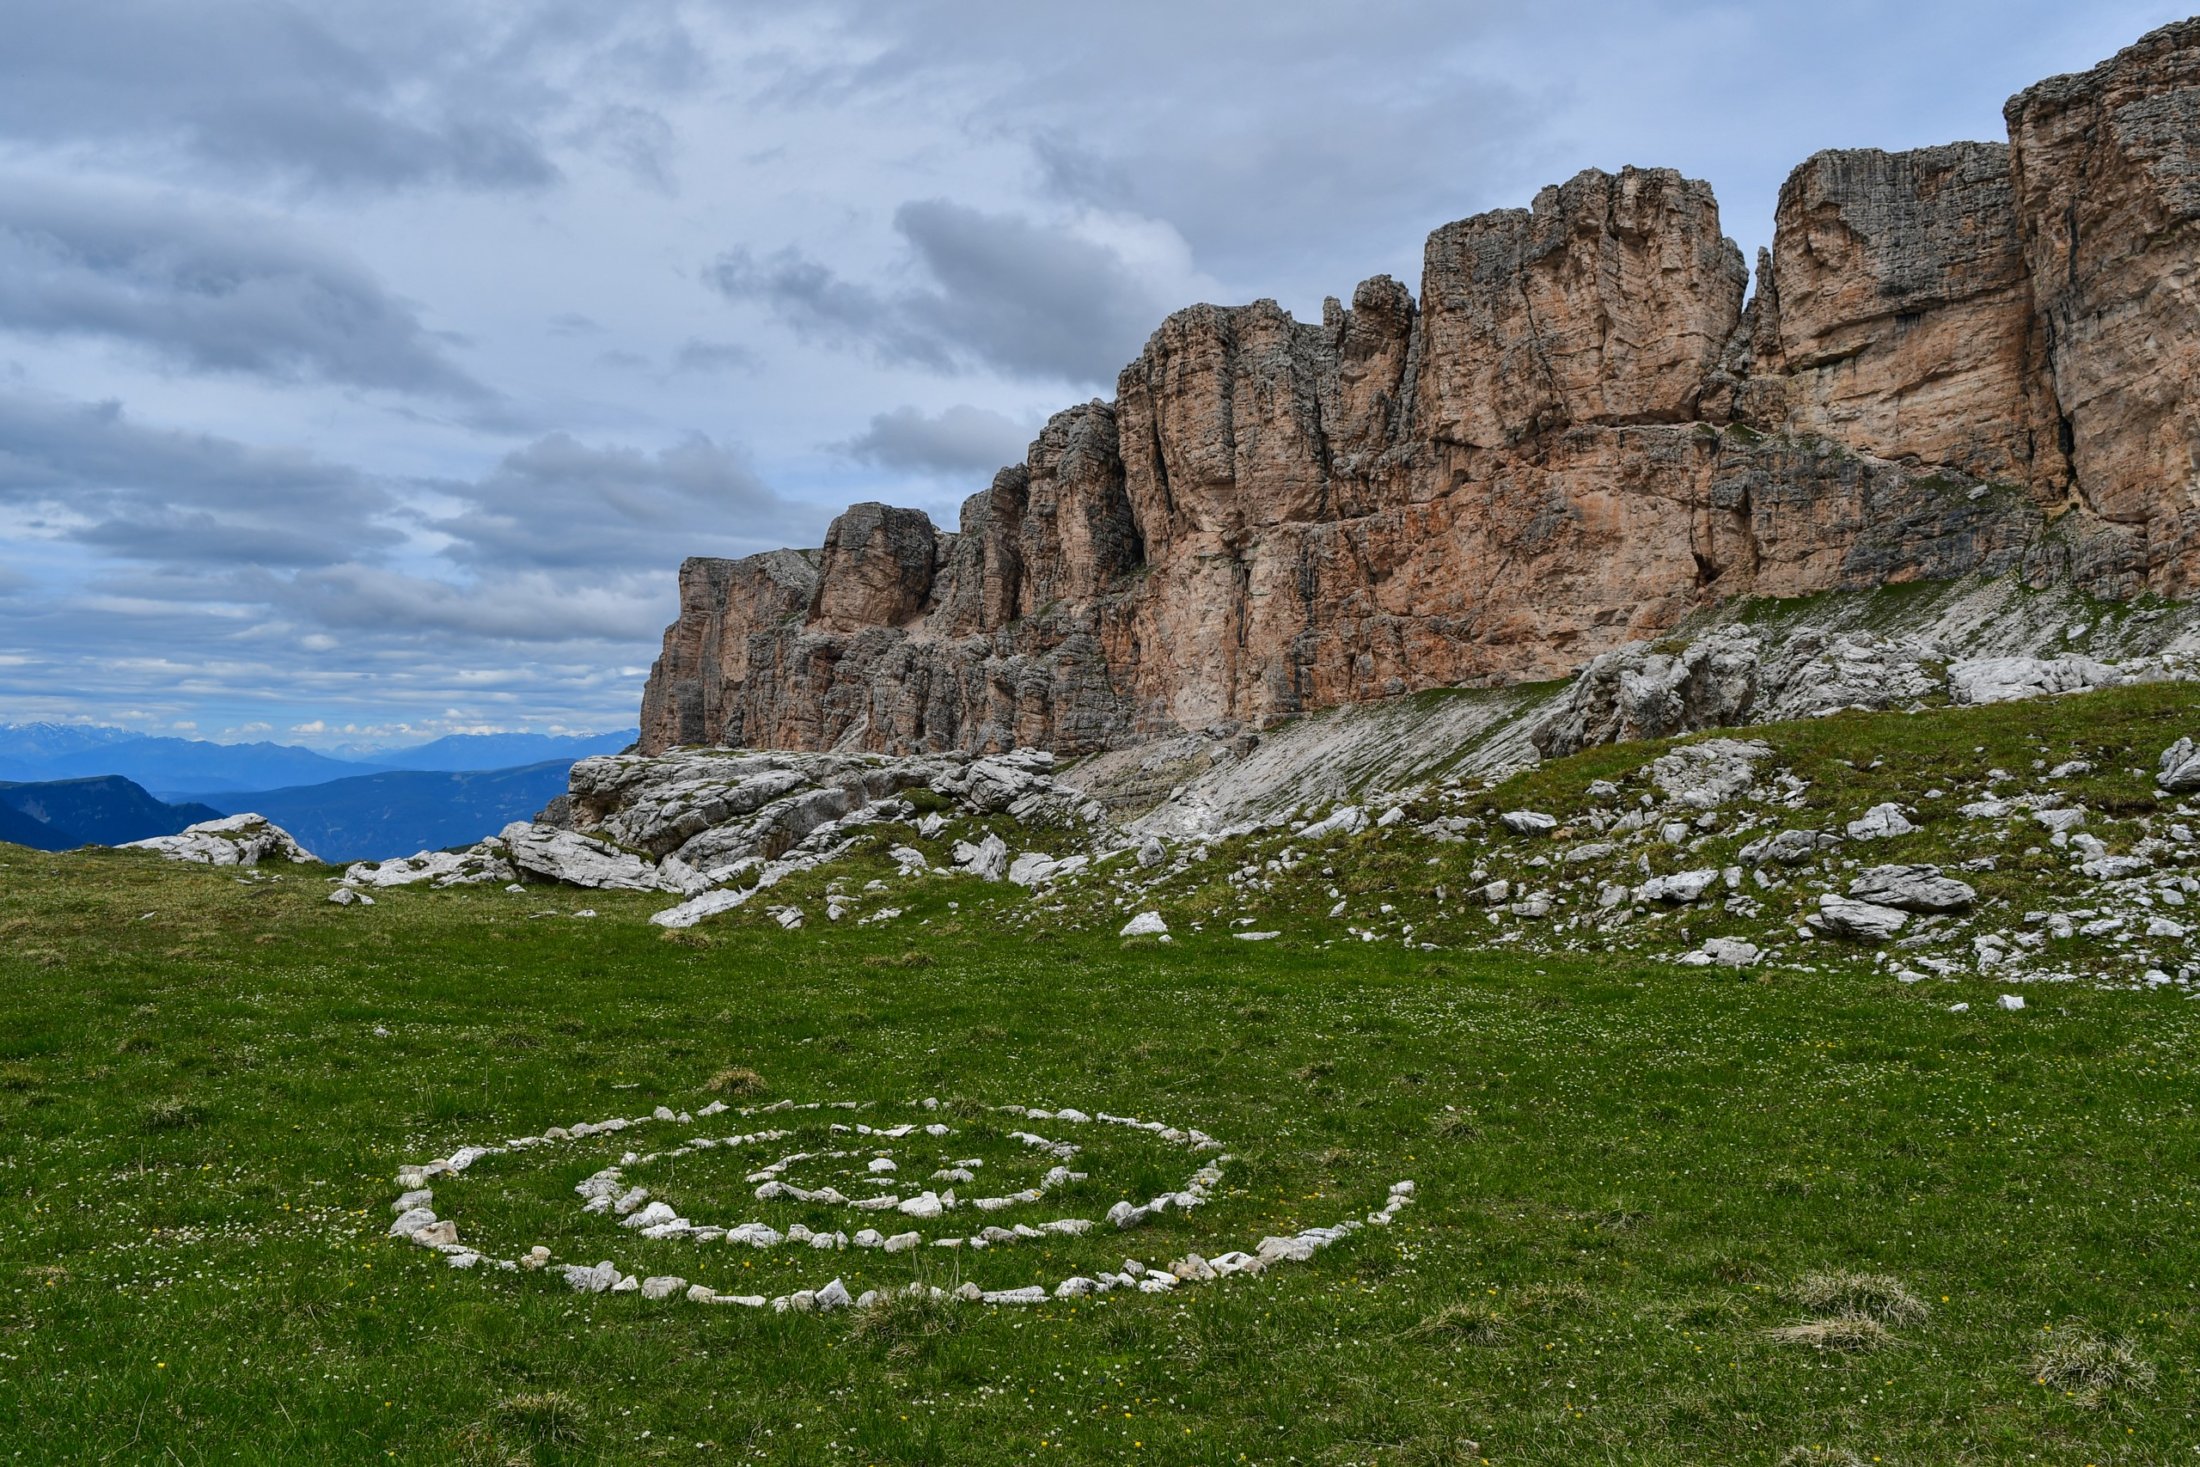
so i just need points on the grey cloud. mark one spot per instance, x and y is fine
(820, 306)
(207, 292)
(698, 355)
(961, 442)
(637, 139)
(256, 87)
(1006, 293)
(531, 608)
(559, 503)
(157, 495)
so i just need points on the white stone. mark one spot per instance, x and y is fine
(2006, 679)
(1528, 822)
(695, 909)
(1707, 775)
(411, 1221)
(1145, 924)
(2011, 1001)
(662, 1286)
(604, 1276)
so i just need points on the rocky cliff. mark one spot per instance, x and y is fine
(1957, 360)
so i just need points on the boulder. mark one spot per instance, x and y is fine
(479, 864)
(2179, 770)
(1145, 924)
(1788, 847)
(1913, 889)
(1880, 822)
(1706, 775)
(987, 859)
(566, 856)
(1683, 886)
(1528, 822)
(1860, 921)
(2009, 679)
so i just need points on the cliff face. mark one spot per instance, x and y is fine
(1962, 359)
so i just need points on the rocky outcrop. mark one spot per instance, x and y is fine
(233, 840)
(1958, 361)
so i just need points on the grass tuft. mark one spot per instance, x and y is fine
(906, 1322)
(1871, 1295)
(550, 1418)
(2094, 1370)
(1471, 1323)
(172, 1114)
(736, 1080)
(1842, 1334)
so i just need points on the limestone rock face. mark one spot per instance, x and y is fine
(1573, 438)
(1900, 311)
(876, 570)
(2106, 166)
(1608, 301)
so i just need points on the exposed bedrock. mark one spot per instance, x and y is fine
(1583, 429)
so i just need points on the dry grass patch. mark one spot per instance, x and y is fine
(1472, 1323)
(905, 1323)
(736, 1080)
(2092, 1369)
(551, 1418)
(1871, 1295)
(1842, 1334)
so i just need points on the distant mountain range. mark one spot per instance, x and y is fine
(40, 752)
(61, 815)
(75, 784)
(377, 817)
(465, 752)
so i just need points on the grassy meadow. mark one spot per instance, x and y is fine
(1664, 1215)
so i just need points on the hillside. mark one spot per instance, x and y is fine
(59, 815)
(398, 813)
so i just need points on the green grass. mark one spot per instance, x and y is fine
(1635, 1183)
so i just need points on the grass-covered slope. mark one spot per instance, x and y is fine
(1663, 1214)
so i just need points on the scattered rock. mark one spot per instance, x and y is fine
(1529, 822)
(1145, 924)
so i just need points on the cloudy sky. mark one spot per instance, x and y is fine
(367, 368)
